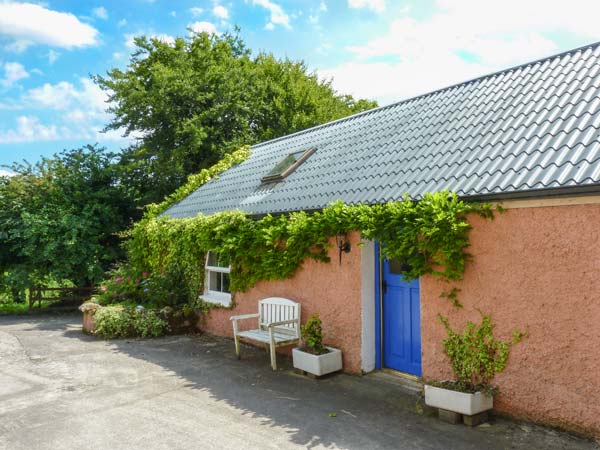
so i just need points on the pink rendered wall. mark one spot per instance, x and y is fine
(536, 270)
(329, 289)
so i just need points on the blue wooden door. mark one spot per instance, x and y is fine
(401, 320)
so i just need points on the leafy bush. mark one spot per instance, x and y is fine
(156, 290)
(166, 288)
(113, 322)
(119, 322)
(312, 336)
(148, 323)
(125, 284)
(476, 356)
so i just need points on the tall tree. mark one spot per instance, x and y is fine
(60, 219)
(191, 101)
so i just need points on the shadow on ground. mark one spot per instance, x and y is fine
(342, 411)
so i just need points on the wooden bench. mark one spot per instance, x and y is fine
(278, 325)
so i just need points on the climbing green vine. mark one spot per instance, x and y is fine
(430, 235)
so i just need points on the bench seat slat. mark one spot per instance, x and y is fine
(263, 336)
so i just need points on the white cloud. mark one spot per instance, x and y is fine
(13, 72)
(64, 96)
(462, 39)
(173, 13)
(269, 26)
(6, 173)
(375, 5)
(164, 38)
(277, 14)
(18, 46)
(100, 12)
(203, 27)
(122, 23)
(78, 111)
(323, 6)
(31, 23)
(29, 129)
(130, 38)
(221, 12)
(52, 56)
(196, 11)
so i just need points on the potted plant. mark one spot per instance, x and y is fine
(314, 357)
(475, 356)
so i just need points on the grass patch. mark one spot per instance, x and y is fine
(11, 308)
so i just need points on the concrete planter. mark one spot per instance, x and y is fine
(318, 364)
(89, 325)
(459, 402)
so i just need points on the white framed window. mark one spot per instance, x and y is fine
(216, 279)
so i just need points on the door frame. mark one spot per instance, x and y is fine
(379, 308)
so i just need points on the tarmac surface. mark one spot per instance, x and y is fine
(61, 389)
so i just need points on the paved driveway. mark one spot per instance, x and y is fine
(62, 390)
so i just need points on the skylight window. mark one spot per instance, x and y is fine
(287, 165)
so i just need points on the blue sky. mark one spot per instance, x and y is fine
(382, 49)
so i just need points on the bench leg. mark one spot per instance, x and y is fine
(273, 357)
(273, 352)
(237, 347)
(236, 339)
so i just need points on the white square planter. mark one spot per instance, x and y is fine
(459, 402)
(318, 364)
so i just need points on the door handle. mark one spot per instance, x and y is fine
(384, 286)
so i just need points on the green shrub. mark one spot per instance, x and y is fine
(166, 288)
(120, 322)
(125, 284)
(114, 322)
(149, 324)
(476, 356)
(312, 335)
(156, 290)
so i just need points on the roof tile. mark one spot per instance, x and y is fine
(532, 127)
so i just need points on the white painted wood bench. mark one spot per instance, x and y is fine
(278, 325)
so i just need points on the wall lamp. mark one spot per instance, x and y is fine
(343, 244)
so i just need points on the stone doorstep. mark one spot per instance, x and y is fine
(409, 385)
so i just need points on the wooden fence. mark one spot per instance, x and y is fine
(59, 298)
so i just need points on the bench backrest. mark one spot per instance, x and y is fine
(277, 309)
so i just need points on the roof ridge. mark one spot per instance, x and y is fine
(436, 91)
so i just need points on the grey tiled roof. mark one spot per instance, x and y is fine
(527, 130)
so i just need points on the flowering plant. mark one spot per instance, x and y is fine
(155, 290)
(124, 285)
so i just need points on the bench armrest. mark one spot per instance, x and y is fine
(284, 322)
(243, 316)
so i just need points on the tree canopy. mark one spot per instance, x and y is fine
(194, 100)
(59, 219)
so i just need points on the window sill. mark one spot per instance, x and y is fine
(217, 299)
